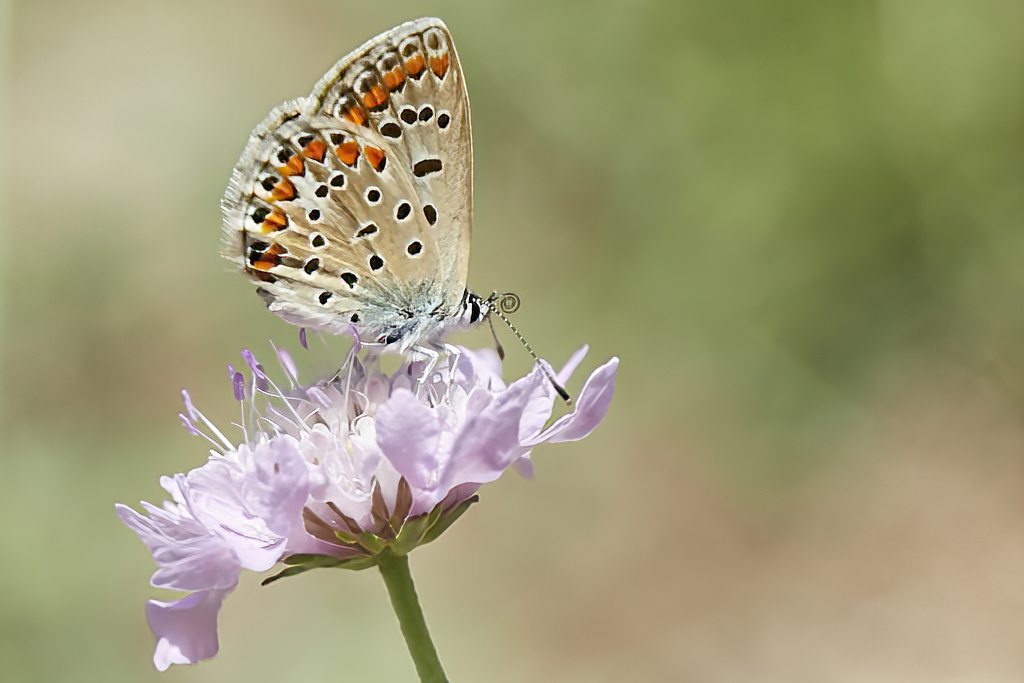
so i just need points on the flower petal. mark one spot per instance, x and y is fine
(186, 630)
(188, 556)
(408, 432)
(281, 484)
(215, 496)
(489, 441)
(566, 372)
(537, 411)
(591, 407)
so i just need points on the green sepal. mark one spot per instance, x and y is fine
(412, 532)
(313, 560)
(346, 538)
(303, 563)
(358, 563)
(371, 542)
(447, 520)
(284, 573)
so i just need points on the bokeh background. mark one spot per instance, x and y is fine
(798, 223)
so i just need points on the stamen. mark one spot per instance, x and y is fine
(195, 432)
(285, 359)
(319, 397)
(189, 426)
(238, 380)
(263, 382)
(194, 414)
(250, 360)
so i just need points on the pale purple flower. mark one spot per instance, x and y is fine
(233, 513)
(329, 475)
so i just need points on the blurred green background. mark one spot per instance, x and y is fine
(797, 222)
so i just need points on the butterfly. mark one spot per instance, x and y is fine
(352, 208)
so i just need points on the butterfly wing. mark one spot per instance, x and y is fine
(353, 205)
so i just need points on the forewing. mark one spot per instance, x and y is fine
(408, 86)
(358, 198)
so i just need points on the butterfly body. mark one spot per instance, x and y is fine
(351, 208)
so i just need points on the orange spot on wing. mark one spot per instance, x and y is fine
(283, 191)
(315, 150)
(374, 156)
(355, 114)
(375, 98)
(414, 65)
(394, 79)
(274, 222)
(295, 166)
(439, 65)
(270, 258)
(348, 152)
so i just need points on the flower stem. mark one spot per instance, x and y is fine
(398, 579)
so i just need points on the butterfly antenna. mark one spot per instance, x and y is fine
(502, 305)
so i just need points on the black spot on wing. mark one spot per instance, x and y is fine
(426, 167)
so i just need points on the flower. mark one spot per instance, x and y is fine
(336, 473)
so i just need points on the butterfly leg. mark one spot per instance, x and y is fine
(433, 356)
(454, 356)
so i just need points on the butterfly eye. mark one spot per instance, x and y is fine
(372, 196)
(403, 210)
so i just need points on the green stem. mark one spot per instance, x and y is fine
(398, 579)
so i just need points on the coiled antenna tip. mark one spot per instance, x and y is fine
(508, 302)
